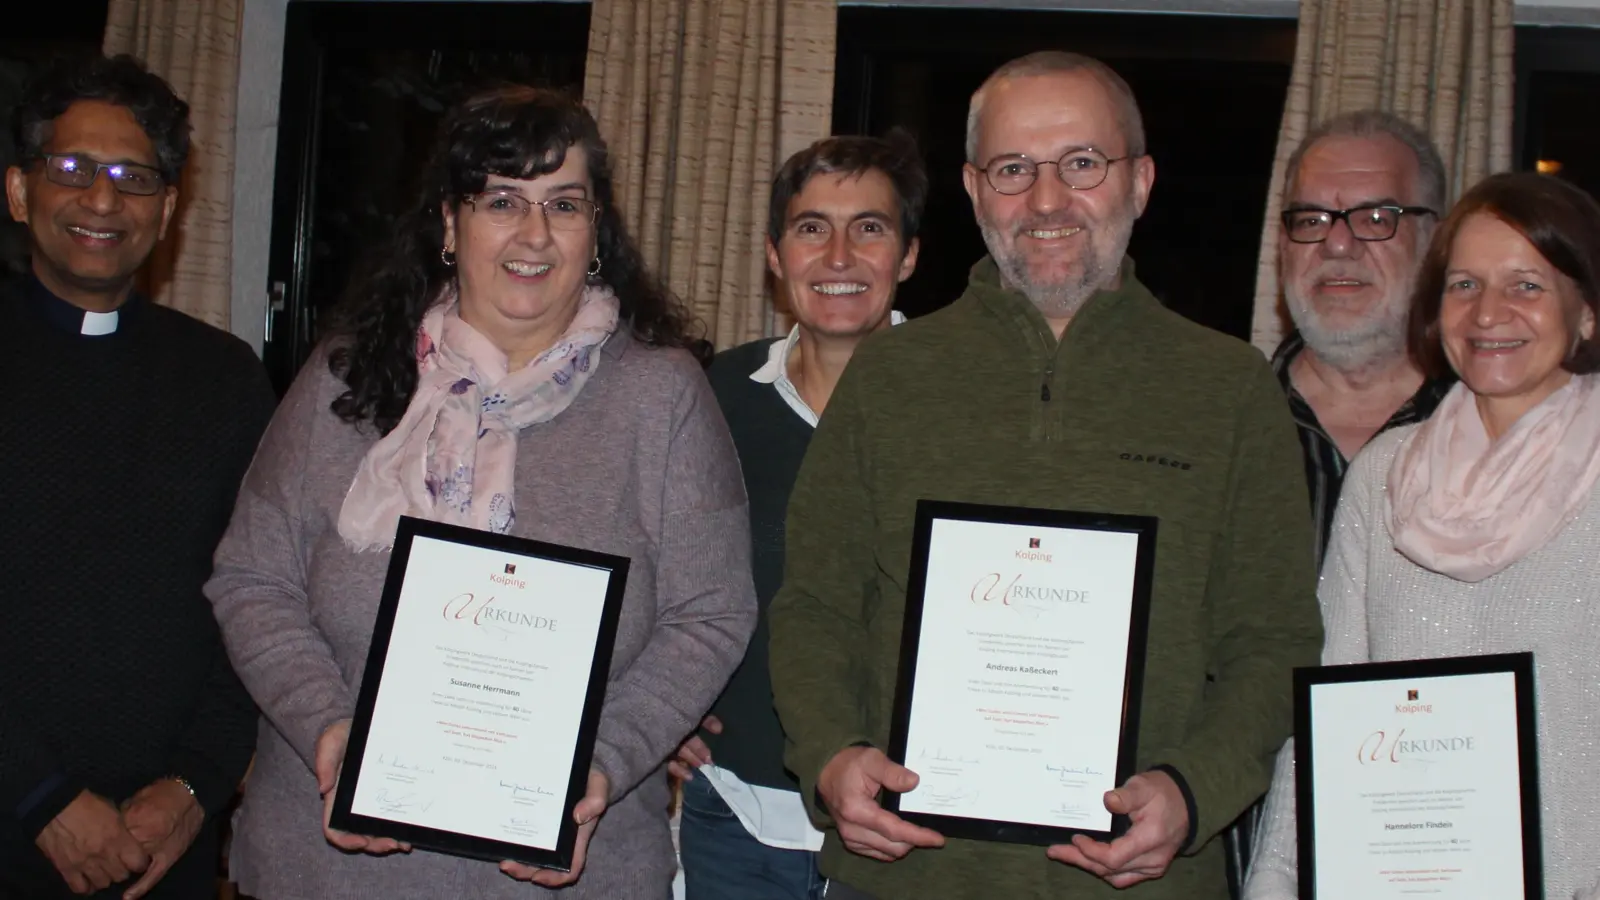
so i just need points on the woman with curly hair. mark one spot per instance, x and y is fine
(509, 366)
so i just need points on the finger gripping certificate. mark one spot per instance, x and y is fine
(1417, 779)
(476, 721)
(1021, 663)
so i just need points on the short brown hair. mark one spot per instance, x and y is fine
(895, 155)
(1062, 62)
(1557, 218)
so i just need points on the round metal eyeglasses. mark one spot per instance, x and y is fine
(1081, 169)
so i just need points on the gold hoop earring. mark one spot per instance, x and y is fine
(594, 268)
(446, 257)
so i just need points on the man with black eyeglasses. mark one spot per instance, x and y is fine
(1365, 190)
(123, 729)
(1364, 194)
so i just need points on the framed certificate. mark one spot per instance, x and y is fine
(475, 725)
(1418, 777)
(1021, 666)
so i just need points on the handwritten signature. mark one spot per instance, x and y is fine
(523, 792)
(404, 803)
(1071, 812)
(938, 755)
(950, 799)
(394, 762)
(1065, 771)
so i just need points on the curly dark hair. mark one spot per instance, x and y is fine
(513, 131)
(120, 80)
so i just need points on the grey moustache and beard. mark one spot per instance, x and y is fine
(1093, 271)
(1376, 338)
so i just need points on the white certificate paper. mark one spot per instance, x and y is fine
(1416, 787)
(478, 711)
(1018, 705)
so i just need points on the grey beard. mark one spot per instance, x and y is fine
(1352, 350)
(1054, 301)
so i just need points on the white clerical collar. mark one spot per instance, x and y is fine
(99, 323)
(776, 370)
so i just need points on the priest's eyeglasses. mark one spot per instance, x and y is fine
(78, 171)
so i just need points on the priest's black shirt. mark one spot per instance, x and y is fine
(121, 454)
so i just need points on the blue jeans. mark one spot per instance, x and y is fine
(723, 861)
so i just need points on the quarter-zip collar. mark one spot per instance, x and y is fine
(1015, 314)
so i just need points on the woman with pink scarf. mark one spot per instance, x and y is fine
(509, 366)
(1478, 531)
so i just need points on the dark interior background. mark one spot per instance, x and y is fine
(364, 84)
(1211, 90)
(32, 34)
(364, 88)
(1558, 102)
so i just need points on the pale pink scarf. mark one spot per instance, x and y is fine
(453, 456)
(1464, 506)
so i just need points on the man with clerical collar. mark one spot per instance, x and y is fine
(841, 237)
(1039, 387)
(123, 729)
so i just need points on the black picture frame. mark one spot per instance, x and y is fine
(929, 511)
(343, 818)
(1519, 665)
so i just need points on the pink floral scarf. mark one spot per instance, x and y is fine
(452, 458)
(1468, 507)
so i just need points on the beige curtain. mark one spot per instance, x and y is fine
(700, 101)
(1444, 64)
(194, 45)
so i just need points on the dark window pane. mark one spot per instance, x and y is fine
(34, 33)
(1557, 84)
(1211, 90)
(365, 86)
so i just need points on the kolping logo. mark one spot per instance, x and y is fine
(511, 569)
(1033, 543)
(1412, 696)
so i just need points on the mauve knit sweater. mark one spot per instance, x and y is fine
(640, 465)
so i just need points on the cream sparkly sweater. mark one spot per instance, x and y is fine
(1378, 606)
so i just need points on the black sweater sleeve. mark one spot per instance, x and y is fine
(216, 747)
(33, 787)
(215, 750)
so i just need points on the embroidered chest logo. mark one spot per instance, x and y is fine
(1155, 460)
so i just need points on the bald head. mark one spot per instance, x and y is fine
(1060, 62)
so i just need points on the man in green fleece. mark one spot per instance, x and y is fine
(1056, 380)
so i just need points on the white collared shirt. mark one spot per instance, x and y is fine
(773, 816)
(776, 371)
(99, 323)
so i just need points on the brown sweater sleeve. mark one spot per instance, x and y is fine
(705, 598)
